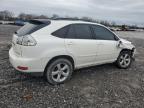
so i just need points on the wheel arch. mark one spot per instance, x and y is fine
(60, 56)
(130, 50)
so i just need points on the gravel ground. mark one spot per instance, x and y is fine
(102, 86)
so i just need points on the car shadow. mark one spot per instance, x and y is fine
(85, 72)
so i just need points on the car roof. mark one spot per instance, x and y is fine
(65, 21)
(73, 22)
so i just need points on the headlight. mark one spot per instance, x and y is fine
(26, 41)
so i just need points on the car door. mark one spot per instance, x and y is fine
(107, 44)
(80, 43)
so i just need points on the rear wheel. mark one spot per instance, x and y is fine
(124, 60)
(59, 71)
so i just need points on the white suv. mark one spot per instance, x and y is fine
(57, 47)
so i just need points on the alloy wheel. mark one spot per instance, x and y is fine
(60, 72)
(125, 60)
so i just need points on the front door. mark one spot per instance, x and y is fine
(107, 44)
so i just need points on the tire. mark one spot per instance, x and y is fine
(59, 71)
(124, 60)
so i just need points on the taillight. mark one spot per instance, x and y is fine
(26, 41)
(19, 40)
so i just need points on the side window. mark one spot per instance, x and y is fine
(102, 33)
(79, 31)
(71, 32)
(61, 32)
(83, 31)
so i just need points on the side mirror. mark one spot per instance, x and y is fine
(119, 43)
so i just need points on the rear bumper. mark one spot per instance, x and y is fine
(33, 65)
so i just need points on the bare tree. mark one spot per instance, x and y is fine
(106, 23)
(24, 16)
(30, 16)
(87, 19)
(42, 17)
(6, 15)
(54, 16)
(113, 24)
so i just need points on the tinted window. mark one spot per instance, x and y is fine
(61, 32)
(31, 27)
(71, 32)
(83, 31)
(103, 33)
(79, 31)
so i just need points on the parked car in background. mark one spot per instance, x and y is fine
(57, 47)
(20, 22)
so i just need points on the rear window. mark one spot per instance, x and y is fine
(31, 27)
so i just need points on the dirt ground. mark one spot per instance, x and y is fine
(103, 86)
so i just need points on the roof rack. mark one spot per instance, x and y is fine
(73, 19)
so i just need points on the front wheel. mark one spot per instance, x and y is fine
(124, 60)
(59, 71)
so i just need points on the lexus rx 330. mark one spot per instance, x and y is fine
(57, 47)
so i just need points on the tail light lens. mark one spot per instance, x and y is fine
(26, 40)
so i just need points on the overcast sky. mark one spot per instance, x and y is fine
(120, 11)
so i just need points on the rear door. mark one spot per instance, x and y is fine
(81, 44)
(107, 44)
